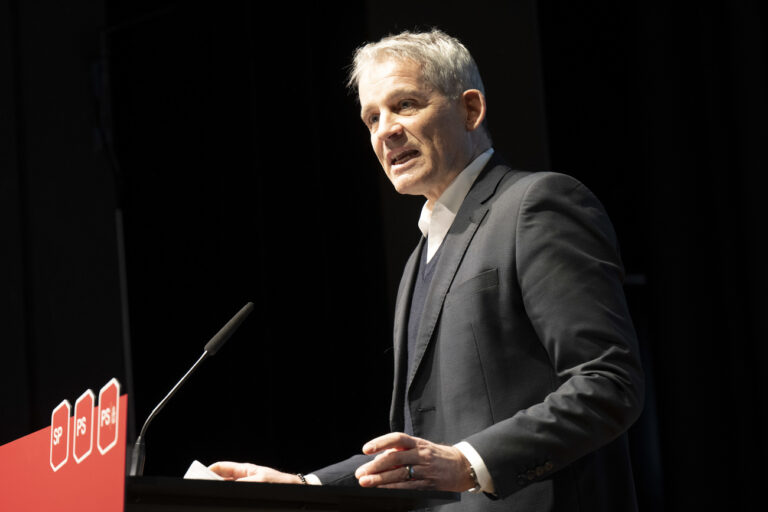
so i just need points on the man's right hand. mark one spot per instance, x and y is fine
(245, 472)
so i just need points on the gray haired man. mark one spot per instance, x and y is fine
(516, 365)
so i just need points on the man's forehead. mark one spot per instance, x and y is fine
(390, 76)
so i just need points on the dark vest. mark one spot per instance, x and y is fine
(419, 293)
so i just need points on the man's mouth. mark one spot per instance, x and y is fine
(403, 157)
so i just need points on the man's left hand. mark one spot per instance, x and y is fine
(407, 462)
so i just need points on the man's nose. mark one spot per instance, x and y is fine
(389, 126)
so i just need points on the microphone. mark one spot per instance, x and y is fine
(138, 454)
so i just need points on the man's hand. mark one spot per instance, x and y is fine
(244, 472)
(434, 466)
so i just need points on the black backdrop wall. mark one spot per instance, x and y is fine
(662, 111)
(244, 173)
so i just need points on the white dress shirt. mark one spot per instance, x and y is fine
(435, 223)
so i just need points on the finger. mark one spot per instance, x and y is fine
(265, 474)
(226, 469)
(396, 475)
(394, 458)
(388, 460)
(395, 440)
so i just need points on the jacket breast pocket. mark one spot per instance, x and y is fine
(482, 281)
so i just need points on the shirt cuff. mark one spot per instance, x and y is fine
(312, 479)
(483, 476)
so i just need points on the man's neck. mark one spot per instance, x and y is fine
(479, 150)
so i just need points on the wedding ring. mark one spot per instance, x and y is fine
(410, 472)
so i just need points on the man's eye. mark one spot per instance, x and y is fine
(373, 119)
(406, 104)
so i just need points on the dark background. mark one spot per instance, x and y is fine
(222, 134)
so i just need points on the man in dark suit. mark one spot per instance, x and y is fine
(516, 363)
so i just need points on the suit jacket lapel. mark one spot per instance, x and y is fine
(402, 306)
(455, 244)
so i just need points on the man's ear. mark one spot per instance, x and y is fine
(473, 102)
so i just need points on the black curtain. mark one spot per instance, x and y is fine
(59, 301)
(661, 109)
(247, 178)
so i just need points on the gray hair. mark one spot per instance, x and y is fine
(446, 64)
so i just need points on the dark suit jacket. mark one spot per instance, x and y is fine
(526, 349)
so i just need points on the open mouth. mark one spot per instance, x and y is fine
(403, 157)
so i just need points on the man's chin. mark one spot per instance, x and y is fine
(405, 183)
(406, 188)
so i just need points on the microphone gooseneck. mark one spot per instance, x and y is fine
(138, 454)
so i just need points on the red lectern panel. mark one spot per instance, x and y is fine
(77, 463)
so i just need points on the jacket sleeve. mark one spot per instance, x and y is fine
(342, 473)
(570, 279)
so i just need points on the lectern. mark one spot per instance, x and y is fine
(158, 494)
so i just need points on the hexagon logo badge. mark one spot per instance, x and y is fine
(60, 435)
(108, 416)
(82, 440)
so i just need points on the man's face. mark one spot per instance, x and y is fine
(419, 135)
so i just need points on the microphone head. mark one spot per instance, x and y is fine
(229, 328)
